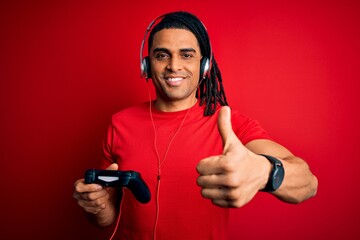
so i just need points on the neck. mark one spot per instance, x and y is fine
(174, 106)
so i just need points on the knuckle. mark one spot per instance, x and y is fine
(232, 181)
(78, 184)
(198, 168)
(82, 204)
(232, 195)
(204, 193)
(77, 188)
(98, 202)
(91, 196)
(221, 203)
(91, 210)
(199, 181)
(238, 204)
(75, 195)
(227, 164)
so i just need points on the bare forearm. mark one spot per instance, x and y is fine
(299, 183)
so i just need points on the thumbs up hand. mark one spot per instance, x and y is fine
(233, 178)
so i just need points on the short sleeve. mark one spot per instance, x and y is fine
(247, 129)
(107, 156)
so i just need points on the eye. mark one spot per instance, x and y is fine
(187, 55)
(161, 56)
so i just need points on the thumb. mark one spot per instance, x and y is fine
(113, 166)
(225, 128)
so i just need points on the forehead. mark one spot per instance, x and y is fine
(175, 39)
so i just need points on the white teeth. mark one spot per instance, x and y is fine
(174, 79)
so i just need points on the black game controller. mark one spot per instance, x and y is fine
(113, 178)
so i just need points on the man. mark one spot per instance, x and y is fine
(198, 157)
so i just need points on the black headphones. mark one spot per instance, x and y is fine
(205, 63)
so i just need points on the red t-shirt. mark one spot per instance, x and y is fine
(182, 212)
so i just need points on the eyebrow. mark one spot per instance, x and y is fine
(168, 51)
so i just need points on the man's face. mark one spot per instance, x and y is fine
(175, 66)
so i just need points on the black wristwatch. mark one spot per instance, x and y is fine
(276, 175)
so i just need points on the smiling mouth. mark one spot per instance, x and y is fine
(174, 79)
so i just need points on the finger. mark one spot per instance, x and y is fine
(227, 134)
(220, 164)
(223, 203)
(230, 203)
(210, 165)
(94, 210)
(91, 196)
(208, 181)
(225, 197)
(94, 206)
(113, 166)
(80, 186)
(224, 125)
(221, 193)
(219, 180)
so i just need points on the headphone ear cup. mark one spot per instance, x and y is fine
(145, 68)
(204, 67)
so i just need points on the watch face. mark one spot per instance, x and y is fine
(278, 176)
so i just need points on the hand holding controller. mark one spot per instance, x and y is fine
(113, 178)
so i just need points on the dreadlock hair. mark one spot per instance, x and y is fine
(211, 89)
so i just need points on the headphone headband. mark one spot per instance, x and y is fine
(143, 67)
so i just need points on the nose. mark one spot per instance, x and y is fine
(174, 64)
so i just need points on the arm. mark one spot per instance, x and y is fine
(299, 183)
(235, 177)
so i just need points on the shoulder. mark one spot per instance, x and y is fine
(240, 120)
(247, 128)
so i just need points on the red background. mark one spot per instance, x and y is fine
(66, 66)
